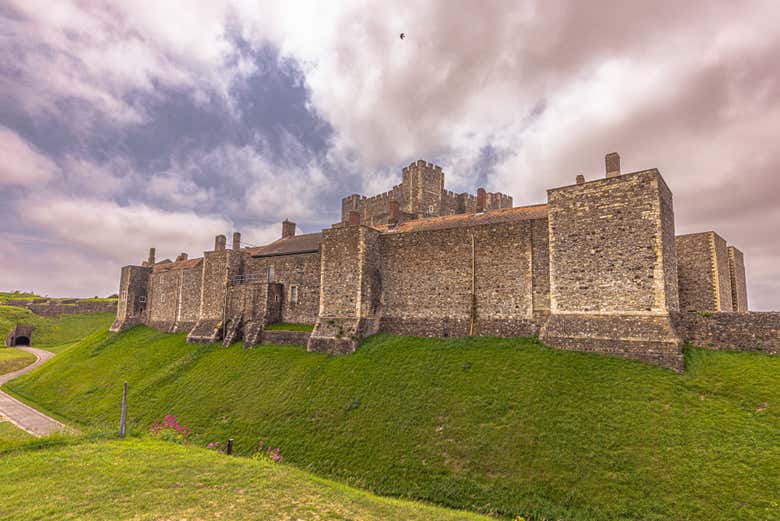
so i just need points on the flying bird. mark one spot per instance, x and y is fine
(403, 35)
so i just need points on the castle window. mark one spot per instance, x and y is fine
(270, 273)
(162, 298)
(431, 209)
(293, 295)
(142, 299)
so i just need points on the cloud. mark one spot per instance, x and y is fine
(21, 163)
(123, 234)
(518, 97)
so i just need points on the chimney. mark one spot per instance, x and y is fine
(580, 179)
(612, 161)
(354, 218)
(481, 200)
(394, 211)
(219, 243)
(288, 229)
(150, 262)
(236, 241)
(182, 257)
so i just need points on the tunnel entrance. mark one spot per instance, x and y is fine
(21, 335)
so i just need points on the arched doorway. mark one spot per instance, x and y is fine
(22, 341)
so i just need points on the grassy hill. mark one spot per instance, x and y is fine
(54, 333)
(13, 359)
(491, 425)
(143, 479)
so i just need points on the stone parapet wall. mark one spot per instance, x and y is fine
(648, 338)
(53, 309)
(752, 331)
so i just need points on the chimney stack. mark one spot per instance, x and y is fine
(612, 161)
(580, 179)
(182, 257)
(236, 241)
(354, 218)
(394, 212)
(150, 262)
(481, 200)
(288, 229)
(219, 243)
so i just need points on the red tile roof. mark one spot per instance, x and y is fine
(520, 213)
(167, 265)
(307, 243)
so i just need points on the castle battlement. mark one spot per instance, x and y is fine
(597, 268)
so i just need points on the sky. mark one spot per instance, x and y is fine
(131, 124)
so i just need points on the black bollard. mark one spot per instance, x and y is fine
(230, 446)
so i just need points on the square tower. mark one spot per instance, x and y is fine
(613, 270)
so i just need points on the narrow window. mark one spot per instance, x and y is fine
(162, 298)
(270, 273)
(142, 299)
(293, 295)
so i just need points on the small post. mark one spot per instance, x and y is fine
(230, 447)
(123, 419)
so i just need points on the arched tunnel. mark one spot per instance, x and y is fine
(22, 341)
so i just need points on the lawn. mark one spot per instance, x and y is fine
(11, 435)
(146, 479)
(503, 426)
(12, 359)
(54, 333)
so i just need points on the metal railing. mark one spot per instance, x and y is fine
(248, 278)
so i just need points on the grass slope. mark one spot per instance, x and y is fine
(492, 425)
(11, 435)
(144, 479)
(12, 359)
(54, 333)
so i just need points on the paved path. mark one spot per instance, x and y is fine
(24, 416)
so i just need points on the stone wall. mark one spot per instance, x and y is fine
(540, 240)
(703, 271)
(55, 308)
(188, 307)
(131, 307)
(301, 271)
(752, 331)
(350, 289)
(459, 281)
(739, 300)
(219, 267)
(163, 299)
(611, 246)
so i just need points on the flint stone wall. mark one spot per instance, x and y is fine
(301, 270)
(751, 331)
(428, 278)
(739, 300)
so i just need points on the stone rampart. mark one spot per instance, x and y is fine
(752, 331)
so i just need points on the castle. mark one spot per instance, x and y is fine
(597, 268)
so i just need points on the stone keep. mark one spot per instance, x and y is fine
(597, 268)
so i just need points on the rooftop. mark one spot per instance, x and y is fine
(306, 243)
(520, 213)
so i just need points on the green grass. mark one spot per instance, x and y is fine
(501, 426)
(146, 479)
(285, 326)
(10, 295)
(12, 359)
(11, 435)
(54, 333)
